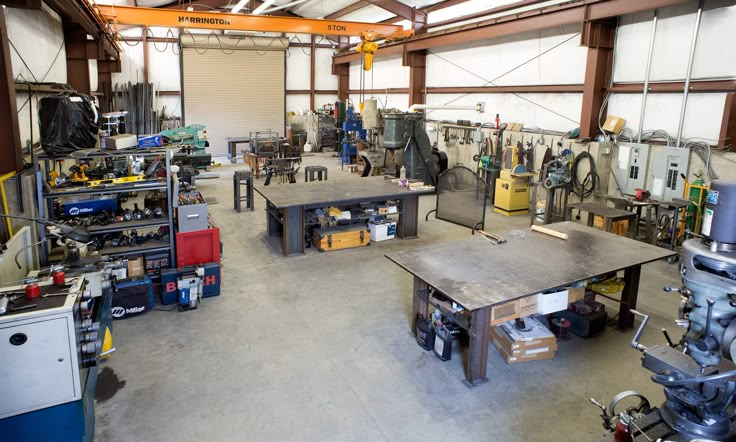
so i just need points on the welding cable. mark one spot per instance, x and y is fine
(585, 188)
(669, 382)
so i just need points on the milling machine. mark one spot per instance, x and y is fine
(193, 142)
(698, 373)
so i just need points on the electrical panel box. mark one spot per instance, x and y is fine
(668, 163)
(631, 166)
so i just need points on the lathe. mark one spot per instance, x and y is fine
(698, 372)
(52, 328)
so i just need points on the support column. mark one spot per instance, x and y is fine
(77, 60)
(105, 68)
(10, 149)
(312, 72)
(417, 62)
(599, 38)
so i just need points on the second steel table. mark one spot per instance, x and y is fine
(478, 275)
(285, 205)
(610, 215)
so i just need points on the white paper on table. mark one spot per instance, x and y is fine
(658, 186)
(623, 156)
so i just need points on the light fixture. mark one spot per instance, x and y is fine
(263, 7)
(238, 6)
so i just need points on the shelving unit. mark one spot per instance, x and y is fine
(46, 198)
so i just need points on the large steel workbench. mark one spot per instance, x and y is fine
(286, 204)
(478, 275)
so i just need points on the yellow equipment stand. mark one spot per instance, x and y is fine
(512, 193)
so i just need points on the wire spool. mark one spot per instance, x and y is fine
(561, 328)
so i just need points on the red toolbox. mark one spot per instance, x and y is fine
(198, 247)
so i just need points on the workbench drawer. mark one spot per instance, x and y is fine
(337, 238)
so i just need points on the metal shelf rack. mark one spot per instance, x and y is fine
(46, 198)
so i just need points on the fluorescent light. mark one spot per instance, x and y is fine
(263, 6)
(239, 6)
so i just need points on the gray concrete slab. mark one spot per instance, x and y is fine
(318, 347)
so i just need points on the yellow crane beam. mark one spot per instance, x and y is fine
(177, 18)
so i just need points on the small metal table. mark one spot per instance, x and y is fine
(610, 215)
(479, 276)
(285, 205)
(232, 147)
(651, 207)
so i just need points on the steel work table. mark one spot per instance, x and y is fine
(292, 200)
(609, 214)
(478, 275)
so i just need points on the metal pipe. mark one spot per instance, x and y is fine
(689, 73)
(646, 79)
(478, 107)
(288, 5)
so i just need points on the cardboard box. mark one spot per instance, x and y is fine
(135, 267)
(514, 359)
(505, 312)
(617, 227)
(575, 294)
(614, 124)
(518, 308)
(517, 346)
(520, 347)
(386, 209)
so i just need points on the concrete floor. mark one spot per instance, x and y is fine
(318, 347)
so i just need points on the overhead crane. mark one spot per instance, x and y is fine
(177, 18)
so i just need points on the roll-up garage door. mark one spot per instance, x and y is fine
(233, 85)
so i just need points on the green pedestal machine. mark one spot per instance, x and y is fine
(193, 142)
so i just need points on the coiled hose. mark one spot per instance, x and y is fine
(585, 188)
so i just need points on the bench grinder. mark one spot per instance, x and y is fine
(697, 373)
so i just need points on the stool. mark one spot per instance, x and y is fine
(243, 177)
(311, 171)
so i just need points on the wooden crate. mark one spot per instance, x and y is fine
(617, 227)
(338, 238)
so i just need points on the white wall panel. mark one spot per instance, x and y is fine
(672, 43)
(714, 50)
(397, 101)
(322, 99)
(323, 78)
(632, 46)
(93, 75)
(387, 73)
(163, 66)
(513, 108)
(172, 103)
(131, 65)
(297, 103)
(38, 37)
(476, 63)
(702, 119)
(297, 68)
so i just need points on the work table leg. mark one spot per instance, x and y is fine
(273, 226)
(408, 217)
(480, 334)
(629, 297)
(293, 236)
(419, 305)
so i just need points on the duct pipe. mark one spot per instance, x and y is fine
(689, 74)
(478, 107)
(646, 79)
